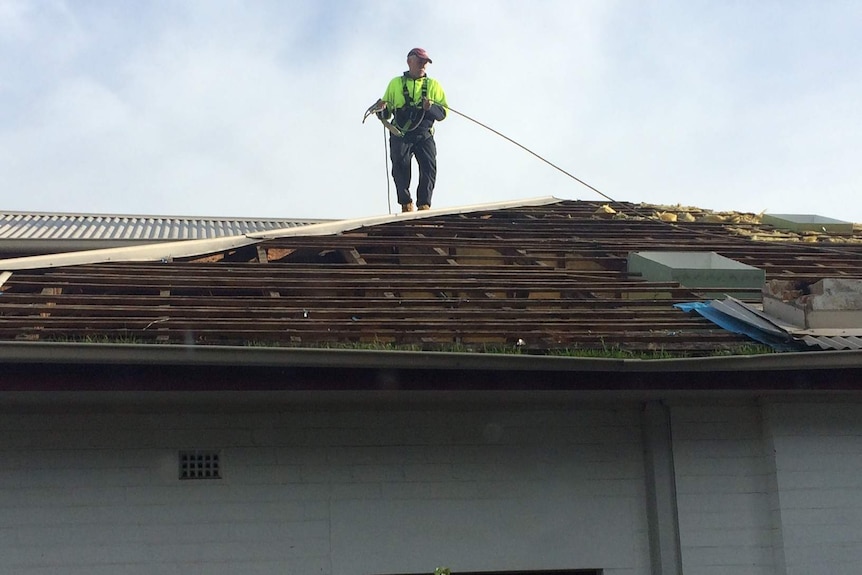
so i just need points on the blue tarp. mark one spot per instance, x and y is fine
(732, 324)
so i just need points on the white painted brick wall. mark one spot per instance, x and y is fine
(722, 489)
(305, 491)
(818, 472)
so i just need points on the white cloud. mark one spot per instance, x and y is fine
(13, 15)
(228, 108)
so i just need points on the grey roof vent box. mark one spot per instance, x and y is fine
(709, 272)
(807, 223)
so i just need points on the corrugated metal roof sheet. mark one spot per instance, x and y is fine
(150, 251)
(826, 342)
(59, 226)
(766, 328)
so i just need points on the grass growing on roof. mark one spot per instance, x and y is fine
(604, 352)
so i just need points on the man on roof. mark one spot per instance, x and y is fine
(414, 102)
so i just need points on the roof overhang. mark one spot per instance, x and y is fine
(159, 368)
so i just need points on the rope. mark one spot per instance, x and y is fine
(526, 149)
(634, 211)
(386, 162)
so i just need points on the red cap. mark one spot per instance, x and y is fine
(419, 52)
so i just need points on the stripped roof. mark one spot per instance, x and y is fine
(540, 276)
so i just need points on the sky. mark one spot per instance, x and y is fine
(254, 108)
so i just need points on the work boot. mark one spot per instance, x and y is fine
(408, 207)
(424, 207)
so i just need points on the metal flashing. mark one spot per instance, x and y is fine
(347, 225)
(165, 251)
(48, 226)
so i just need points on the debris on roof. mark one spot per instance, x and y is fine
(767, 227)
(826, 314)
(737, 317)
(831, 303)
(546, 277)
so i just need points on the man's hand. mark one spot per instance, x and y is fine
(426, 104)
(379, 108)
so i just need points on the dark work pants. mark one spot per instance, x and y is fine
(402, 151)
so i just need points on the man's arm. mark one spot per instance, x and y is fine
(437, 106)
(434, 109)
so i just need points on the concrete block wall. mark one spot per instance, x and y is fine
(722, 480)
(327, 490)
(817, 471)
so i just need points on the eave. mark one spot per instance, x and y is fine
(58, 367)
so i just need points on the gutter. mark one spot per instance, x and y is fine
(48, 353)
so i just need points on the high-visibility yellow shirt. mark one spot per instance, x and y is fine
(394, 95)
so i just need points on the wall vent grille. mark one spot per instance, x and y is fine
(200, 464)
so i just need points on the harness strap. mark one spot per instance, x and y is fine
(408, 99)
(413, 106)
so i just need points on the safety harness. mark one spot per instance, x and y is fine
(411, 114)
(414, 109)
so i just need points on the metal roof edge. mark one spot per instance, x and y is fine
(327, 228)
(72, 245)
(139, 253)
(187, 248)
(119, 215)
(116, 354)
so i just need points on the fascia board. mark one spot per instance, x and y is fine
(94, 353)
